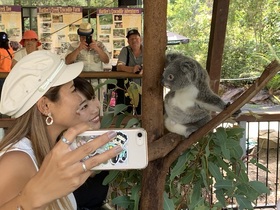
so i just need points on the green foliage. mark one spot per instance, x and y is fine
(119, 113)
(253, 29)
(274, 83)
(206, 176)
(214, 162)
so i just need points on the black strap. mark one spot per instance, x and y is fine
(127, 57)
(10, 54)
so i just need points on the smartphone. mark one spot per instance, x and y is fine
(133, 142)
(88, 39)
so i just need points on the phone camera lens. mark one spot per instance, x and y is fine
(139, 134)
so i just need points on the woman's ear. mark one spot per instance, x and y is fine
(42, 105)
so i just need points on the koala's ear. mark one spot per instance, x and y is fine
(172, 56)
(187, 66)
(190, 69)
(169, 57)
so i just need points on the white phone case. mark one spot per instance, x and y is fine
(133, 141)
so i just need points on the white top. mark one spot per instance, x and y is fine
(20, 54)
(24, 145)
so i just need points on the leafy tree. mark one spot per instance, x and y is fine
(252, 30)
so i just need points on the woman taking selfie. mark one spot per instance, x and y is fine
(36, 171)
(92, 194)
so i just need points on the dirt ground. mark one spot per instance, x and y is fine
(268, 158)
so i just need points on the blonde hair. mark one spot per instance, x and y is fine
(32, 125)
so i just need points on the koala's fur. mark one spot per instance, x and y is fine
(190, 101)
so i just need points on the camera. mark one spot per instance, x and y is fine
(88, 39)
(88, 35)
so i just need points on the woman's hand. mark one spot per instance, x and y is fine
(62, 170)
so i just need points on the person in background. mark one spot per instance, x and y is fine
(30, 44)
(130, 60)
(41, 173)
(6, 53)
(93, 53)
(6, 56)
(92, 194)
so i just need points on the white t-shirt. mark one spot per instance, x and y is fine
(20, 54)
(24, 145)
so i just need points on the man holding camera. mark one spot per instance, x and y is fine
(93, 53)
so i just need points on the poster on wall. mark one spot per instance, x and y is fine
(113, 25)
(12, 28)
(57, 27)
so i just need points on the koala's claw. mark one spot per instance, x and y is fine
(235, 114)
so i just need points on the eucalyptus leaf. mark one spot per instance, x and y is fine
(180, 166)
(243, 203)
(133, 94)
(196, 195)
(119, 120)
(224, 184)
(132, 122)
(107, 120)
(259, 187)
(119, 108)
(205, 179)
(135, 195)
(220, 195)
(202, 207)
(196, 203)
(123, 201)
(259, 165)
(215, 171)
(168, 203)
(111, 177)
(106, 82)
(189, 177)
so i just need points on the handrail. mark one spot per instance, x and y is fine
(9, 122)
(99, 75)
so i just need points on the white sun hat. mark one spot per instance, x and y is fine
(31, 78)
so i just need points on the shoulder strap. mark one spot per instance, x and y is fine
(127, 57)
(10, 54)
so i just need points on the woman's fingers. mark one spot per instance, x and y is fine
(101, 158)
(70, 135)
(86, 149)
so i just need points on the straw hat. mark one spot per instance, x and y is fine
(85, 29)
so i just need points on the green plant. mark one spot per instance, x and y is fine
(209, 175)
(118, 113)
(212, 173)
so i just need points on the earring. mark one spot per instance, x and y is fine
(49, 119)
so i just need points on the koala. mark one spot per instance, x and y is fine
(189, 102)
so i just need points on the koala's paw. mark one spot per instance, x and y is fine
(235, 114)
(189, 131)
(174, 127)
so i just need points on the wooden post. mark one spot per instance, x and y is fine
(216, 43)
(155, 39)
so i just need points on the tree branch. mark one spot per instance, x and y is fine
(171, 145)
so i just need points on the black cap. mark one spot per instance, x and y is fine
(3, 36)
(131, 32)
